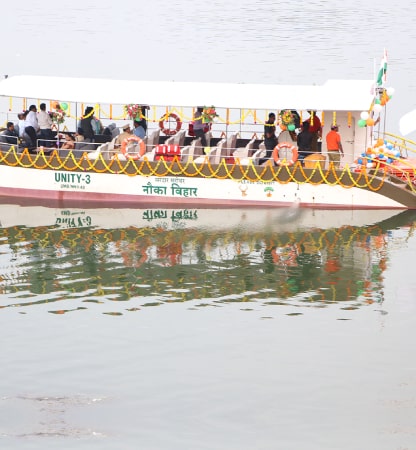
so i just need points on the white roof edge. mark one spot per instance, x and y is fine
(336, 95)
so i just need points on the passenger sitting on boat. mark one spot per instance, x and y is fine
(79, 135)
(69, 143)
(21, 124)
(112, 131)
(26, 132)
(270, 140)
(304, 141)
(11, 135)
(86, 124)
(124, 135)
(199, 126)
(139, 130)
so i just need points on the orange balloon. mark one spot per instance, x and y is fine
(283, 127)
(370, 122)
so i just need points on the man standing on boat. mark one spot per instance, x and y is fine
(304, 141)
(33, 125)
(334, 146)
(199, 126)
(86, 124)
(45, 125)
(32, 118)
(270, 139)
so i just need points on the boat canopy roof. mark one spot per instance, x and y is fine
(334, 95)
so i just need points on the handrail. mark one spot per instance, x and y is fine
(406, 146)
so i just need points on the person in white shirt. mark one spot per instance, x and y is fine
(26, 131)
(32, 118)
(21, 124)
(45, 125)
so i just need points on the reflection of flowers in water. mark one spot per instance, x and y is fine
(302, 260)
(58, 116)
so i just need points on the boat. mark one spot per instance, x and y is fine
(171, 167)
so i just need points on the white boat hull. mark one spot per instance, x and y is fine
(62, 185)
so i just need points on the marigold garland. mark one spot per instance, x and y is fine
(41, 161)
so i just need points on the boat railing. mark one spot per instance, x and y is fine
(407, 147)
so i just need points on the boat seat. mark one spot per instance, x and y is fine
(4, 145)
(180, 138)
(112, 144)
(86, 146)
(192, 151)
(285, 136)
(230, 143)
(102, 149)
(215, 155)
(176, 139)
(170, 140)
(260, 153)
(208, 137)
(243, 154)
(152, 140)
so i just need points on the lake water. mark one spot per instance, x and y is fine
(216, 329)
(209, 329)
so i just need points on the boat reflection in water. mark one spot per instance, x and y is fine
(122, 260)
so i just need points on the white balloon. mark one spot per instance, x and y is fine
(390, 91)
(364, 115)
(377, 107)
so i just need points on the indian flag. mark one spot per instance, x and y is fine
(381, 77)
